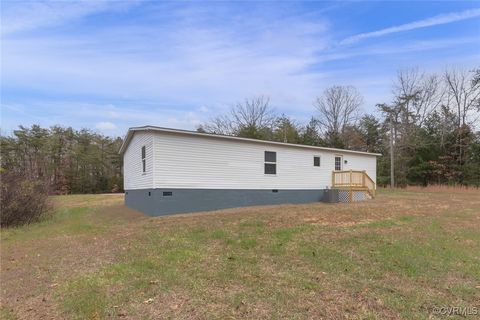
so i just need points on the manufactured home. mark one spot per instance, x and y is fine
(170, 171)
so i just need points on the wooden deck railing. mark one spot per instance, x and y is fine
(353, 179)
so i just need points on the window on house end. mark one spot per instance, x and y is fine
(338, 163)
(144, 159)
(270, 162)
(316, 161)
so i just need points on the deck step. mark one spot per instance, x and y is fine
(353, 185)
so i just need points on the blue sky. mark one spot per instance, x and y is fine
(110, 65)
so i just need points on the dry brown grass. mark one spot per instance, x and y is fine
(87, 200)
(441, 188)
(391, 258)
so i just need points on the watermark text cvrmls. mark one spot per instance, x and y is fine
(456, 310)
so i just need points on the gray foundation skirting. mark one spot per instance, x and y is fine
(157, 202)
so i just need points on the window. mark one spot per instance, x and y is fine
(144, 159)
(316, 161)
(167, 193)
(270, 156)
(338, 163)
(270, 162)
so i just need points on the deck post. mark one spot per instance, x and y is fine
(351, 192)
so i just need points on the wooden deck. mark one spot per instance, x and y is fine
(353, 183)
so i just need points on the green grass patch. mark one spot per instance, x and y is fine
(219, 234)
(241, 266)
(6, 314)
(414, 257)
(86, 298)
(71, 221)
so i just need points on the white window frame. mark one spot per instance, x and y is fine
(270, 162)
(335, 162)
(144, 159)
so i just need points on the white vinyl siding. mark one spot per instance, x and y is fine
(134, 177)
(189, 161)
(360, 162)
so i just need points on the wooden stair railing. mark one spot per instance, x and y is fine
(353, 180)
(370, 184)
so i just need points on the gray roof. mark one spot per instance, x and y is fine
(132, 130)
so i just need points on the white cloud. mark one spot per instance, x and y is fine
(22, 16)
(113, 114)
(155, 68)
(106, 125)
(397, 48)
(81, 115)
(429, 22)
(213, 64)
(19, 16)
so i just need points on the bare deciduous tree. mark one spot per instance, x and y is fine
(339, 108)
(464, 94)
(253, 113)
(476, 77)
(424, 91)
(251, 118)
(416, 96)
(221, 124)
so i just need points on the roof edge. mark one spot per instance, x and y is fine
(131, 131)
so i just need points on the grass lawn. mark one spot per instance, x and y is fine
(396, 257)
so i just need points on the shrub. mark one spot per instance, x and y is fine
(23, 200)
(115, 188)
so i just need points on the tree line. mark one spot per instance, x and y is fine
(430, 126)
(64, 159)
